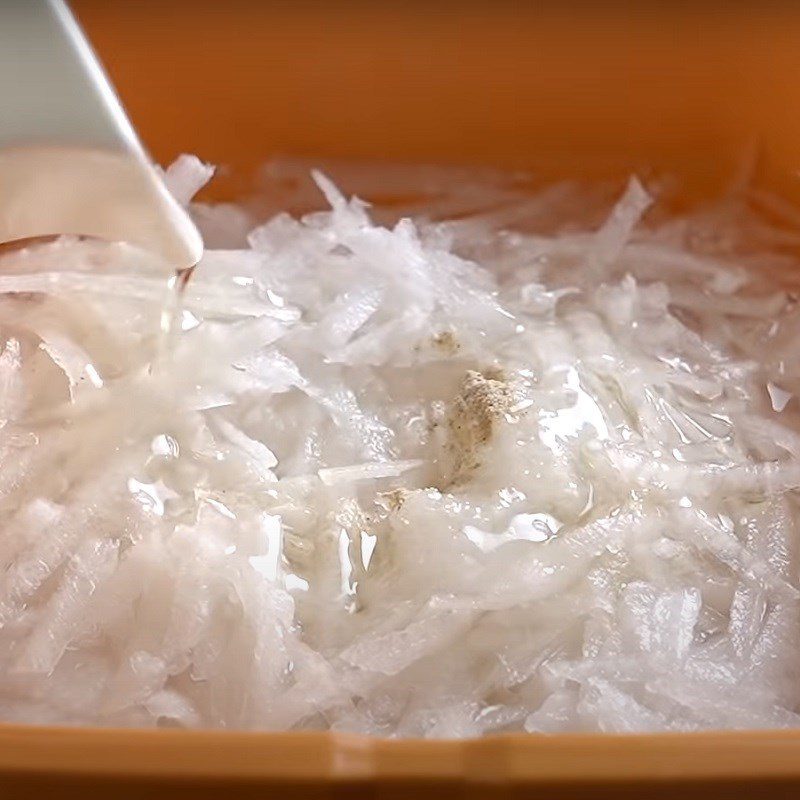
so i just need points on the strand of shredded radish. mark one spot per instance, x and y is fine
(522, 470)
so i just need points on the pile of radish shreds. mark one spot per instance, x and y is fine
(518, 471)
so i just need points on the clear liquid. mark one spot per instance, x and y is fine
(171, 314)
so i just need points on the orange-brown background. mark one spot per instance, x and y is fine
(570, 87)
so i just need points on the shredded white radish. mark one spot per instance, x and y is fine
(525, 462)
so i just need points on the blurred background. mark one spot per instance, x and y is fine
(585, 89)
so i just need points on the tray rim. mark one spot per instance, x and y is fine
(528, 759)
